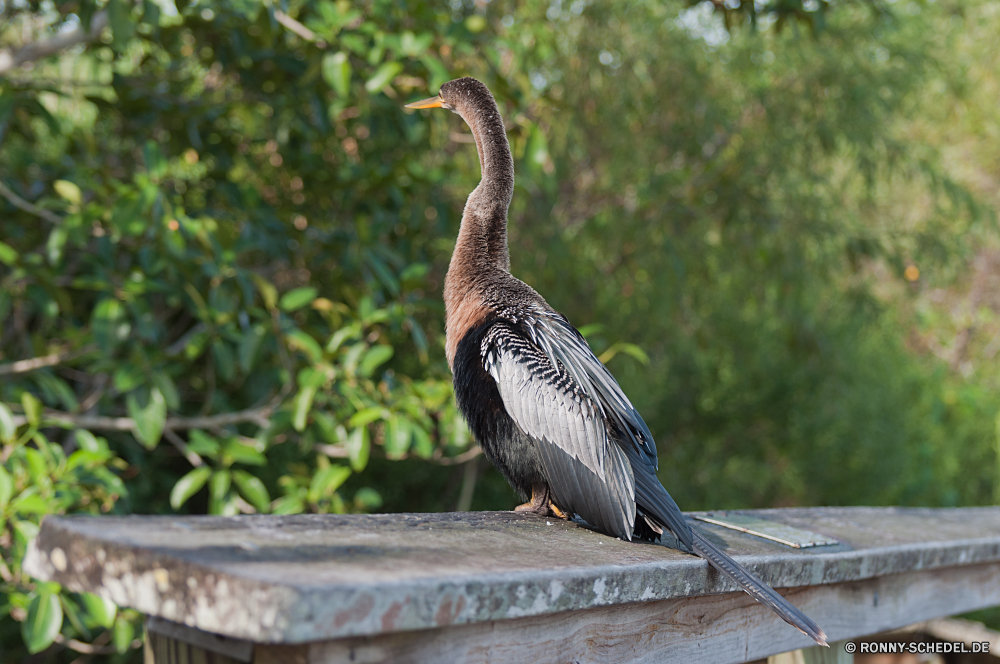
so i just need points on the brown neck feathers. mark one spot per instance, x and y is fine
(481, 248)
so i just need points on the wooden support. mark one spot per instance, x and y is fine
(503, 587)
(170, 643)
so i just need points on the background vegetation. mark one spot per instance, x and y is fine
(222, 244)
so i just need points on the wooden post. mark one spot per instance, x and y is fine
(491, 587)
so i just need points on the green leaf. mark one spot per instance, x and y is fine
(327, 480)
(266, 289)
(26, 530)
(397, 437)
(591, 329)
(343, 334)
(253, 490)
(310, 377)
(414, 272)
(374, 358)
(68, 190)
(384, 273)
(412, 45)
(366, 416)
(86, 459)
(127, 377)
(367, 499)
(328, 428)
(100, 609)
(219, 485)
(383, 76)
(299, 340)
(337, 72)
(202, 444)
(122, 27)
(303, 402)
(439, 73)
(249, 345)
(108, 323)
(149, 419)
(127, 215)
(7, 429)
(627, 348)
(123, 635)
(422, 444)
(156, 164)
(53, 386)
(32, 408)
(288, 505)
(8, 255)
(43, 623)
(38, 466)
(189, 485)
(297, 298)
(6, 488)
(237, 451)
(358, 448)
(224, 361)
(538, 149)
(75, 616)
(88, 442)
(168, 389)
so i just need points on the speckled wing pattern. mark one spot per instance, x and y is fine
(563, 344)
(587, 472)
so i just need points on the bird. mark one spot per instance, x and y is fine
(544, 410)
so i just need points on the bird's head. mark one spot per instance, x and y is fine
(462, 96)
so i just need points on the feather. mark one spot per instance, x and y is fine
(587, 472)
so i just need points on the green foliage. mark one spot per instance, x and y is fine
(222, 251)
(224, 239)
(39, 477)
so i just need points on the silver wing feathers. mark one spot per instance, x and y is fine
(587, 472)
(564, 345)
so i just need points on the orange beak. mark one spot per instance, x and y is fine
(433, 102)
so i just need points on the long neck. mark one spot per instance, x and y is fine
(481, 248)
(482, 239)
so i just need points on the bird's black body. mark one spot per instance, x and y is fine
(502, 441)
(543, 408)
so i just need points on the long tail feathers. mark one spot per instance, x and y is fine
(757, 589)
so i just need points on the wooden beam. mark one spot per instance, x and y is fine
(716, 629)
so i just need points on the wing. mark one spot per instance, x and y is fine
(566, 348)
(587, 472)
(564, 345)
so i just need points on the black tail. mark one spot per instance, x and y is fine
(757, 589)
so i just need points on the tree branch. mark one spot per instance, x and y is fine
(464, 457)
(258, 416)
(11, 59)
(296, 27)
(19, 202)
(192, 458)
(24, 366)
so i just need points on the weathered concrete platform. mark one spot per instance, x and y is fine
(500, 586)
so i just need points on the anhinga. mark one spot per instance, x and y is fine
(545, 411)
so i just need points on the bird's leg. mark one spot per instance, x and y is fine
(554, 509)
(539, 503)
